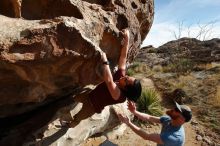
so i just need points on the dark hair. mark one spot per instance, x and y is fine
(133, 92)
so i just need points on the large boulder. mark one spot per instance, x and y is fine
(54, 48)
(98, 123)
(43, 127)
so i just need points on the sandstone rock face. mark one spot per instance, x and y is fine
(98, 123)
(36, 131)
(55, 47)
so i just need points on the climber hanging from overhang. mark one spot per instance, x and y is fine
(114, 89)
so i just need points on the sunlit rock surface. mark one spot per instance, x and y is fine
(55, 47)
(50, 50)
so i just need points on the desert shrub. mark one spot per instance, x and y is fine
(157, 68)
(210, 118)
(149, 102)
(132, 68)
(130, 72)
(138, 67)
(182, 65)
(135, 65)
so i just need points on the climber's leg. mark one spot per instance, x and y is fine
(86, 111)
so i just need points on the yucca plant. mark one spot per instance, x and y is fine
(149, 102)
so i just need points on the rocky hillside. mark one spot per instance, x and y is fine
(187, 71)
(189, 48)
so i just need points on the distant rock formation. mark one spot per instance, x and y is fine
(149, 56)
(190, 48)
(55, 47)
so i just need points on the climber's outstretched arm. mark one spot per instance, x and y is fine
(106, 72)
(107, 76)
(124, 50)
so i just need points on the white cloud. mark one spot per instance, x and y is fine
(163, 32)
(190, 12)
(159, 34)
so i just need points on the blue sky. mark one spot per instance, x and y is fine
(190, 14)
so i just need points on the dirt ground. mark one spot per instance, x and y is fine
(129, 138)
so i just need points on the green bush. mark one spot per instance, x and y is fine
(133, 68)
(135, 64)
(130, 72)
(185, 65)
(149, 102)
(138, 67)
(182, 65)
